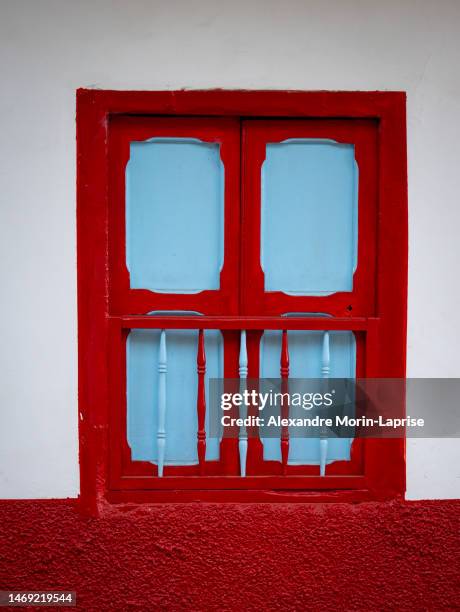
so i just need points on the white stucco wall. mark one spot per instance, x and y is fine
(48, 48)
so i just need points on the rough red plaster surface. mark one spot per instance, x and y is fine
(387, 556)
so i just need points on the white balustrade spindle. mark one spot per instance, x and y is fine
(325, 370)
(161, 432)
(243, 434)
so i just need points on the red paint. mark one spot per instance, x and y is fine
(106, 121)
(178, 557)
(246, 322)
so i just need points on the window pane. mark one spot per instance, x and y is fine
(174, 215)
(181, 393)
(309, 217)
(305, 361)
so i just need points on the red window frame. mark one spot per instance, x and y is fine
(376, 309)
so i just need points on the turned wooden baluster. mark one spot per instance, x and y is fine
(284, 371)
(325, 370)
(161, 432)
(201, 401)
(243, 434)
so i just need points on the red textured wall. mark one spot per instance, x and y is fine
(373, 556)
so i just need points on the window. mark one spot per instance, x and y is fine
(235, 234)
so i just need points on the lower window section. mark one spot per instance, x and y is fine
(162, 404)
(143, 401)
(305, 361)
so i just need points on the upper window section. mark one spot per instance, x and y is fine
(174, 215)
(309, 217)
(309, 202)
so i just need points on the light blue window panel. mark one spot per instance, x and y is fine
(174, 215)
(181, 393)
(309, 217)
(305, 357)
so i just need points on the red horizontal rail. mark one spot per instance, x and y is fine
(238, 482)
(247, 323)
(241, 496)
